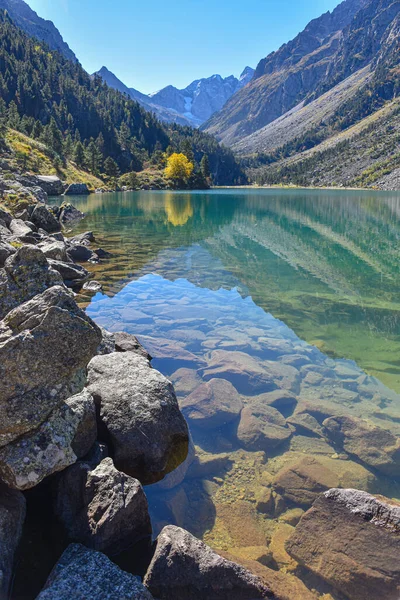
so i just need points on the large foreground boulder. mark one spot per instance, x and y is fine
(12, 516)
(372, 445)
(66, 435)
(139, 415)
(83, 574)
(352, 540)
(101, 507)
(184, 568)
(45, 346)
(25, 274)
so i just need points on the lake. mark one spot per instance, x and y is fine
(290, 301)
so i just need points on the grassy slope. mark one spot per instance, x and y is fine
(27, 155)
(33, 157)
(357, 157)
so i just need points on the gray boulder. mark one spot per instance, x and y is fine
(19, 228)
(84, 239)
(73, 275)
(213, 404)
(5, 217)
(352, 540)
(102, 508)
(126, 342)
(69, 214)
(55, 445)
(12, 516)
(6, 250)
(45, 346)
(83, 407)
(80, 253)
(25, 274)
(54, 249)
(139, 414)
(77, 189)
(84, 574)
(43, 218)
(51, 184)
(184, 568)
(92, 286)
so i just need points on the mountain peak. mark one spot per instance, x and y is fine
(28, 20)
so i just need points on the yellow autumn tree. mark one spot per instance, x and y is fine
(178, 169)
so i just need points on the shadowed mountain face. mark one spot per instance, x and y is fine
(287, 77)
(33, 25)
(190, 106)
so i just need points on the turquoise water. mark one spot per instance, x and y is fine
(288, 292)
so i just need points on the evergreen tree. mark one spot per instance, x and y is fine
(68, 147)
(37, 130)
(13, 118)
(79, 154)
(54, 136)
(205, 167)
(93, 157)
(111, 168)
(187, 150)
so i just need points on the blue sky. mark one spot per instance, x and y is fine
(159, 42)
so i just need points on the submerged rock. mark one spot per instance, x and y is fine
(25, 274)
(83, 574)
(45, 345)
(301, 482)
(139, 415)
(101, 507)
(372, 445)
(12, 516)
(352, 540)
(213, 404)
(184, 568)
(250, 375)
(262, 427)
(55, 445)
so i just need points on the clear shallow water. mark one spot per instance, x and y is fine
(301, 285)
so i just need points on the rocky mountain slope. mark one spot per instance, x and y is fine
(349, 134)
(35, 26)
(190, 106)
(286, 77)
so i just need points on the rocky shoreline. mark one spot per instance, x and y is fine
(86, 422)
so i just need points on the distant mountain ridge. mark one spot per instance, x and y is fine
(35, 26)
(346, 130)
(192, 105)
(286, 77)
